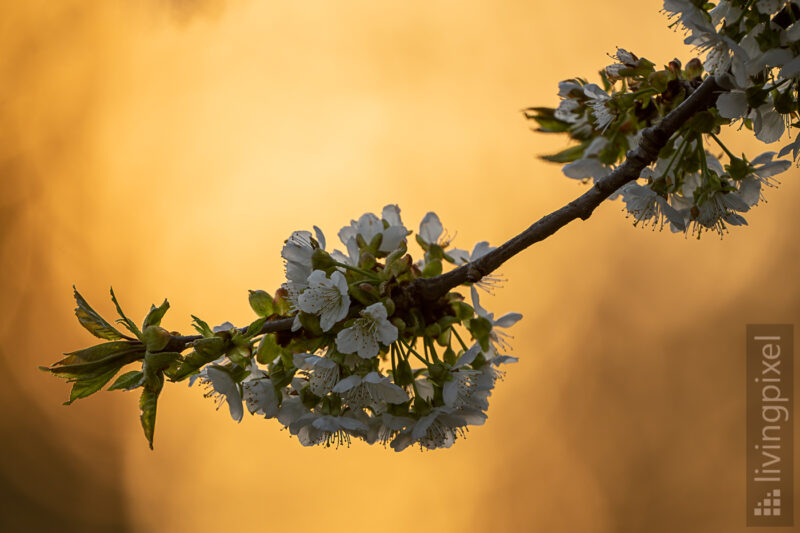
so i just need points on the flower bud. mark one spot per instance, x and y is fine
(694, 69)
(433, 331)
(155, 338)
(659, 80)
(399, 323)
(369, 288)
(390, 307)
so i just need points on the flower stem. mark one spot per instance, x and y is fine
(459, 338)
(675, 155)
(433, 351)
(412, 351)
(724, 148)
(359, 270)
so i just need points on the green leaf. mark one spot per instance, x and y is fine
(545, 117)
(569, 155)
(262, 303)
(268, 350)
(96, 360)
(84, 387)
(127, 322)
(155, 315)
(128, 381)
(202, 327)
(92, 321)
(148, 402)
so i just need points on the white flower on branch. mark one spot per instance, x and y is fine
(261, 398)
(430, 229)
(649, 208)
(372, 390)
(323, 373)
(367, 333)
(599, 102)
(224, 389)
(462, 257)
(764, 168)
(325, 297)
(368, 226)
(439, 429)
(312, 429)
(297, 252)
(497, 338)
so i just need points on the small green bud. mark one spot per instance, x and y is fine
(674, 66)
(155, 338)
(399, 323)
(444, 337)
(261, 303)
(449, 356)
(694, 69)
(370, 289)
(390, 307)
(433, 330)
(659, 80)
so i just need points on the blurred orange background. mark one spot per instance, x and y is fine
(168, 148)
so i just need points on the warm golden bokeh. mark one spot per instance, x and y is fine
(168, 147)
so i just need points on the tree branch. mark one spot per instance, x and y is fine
(178, 343)
(653, 140)
(426, 290)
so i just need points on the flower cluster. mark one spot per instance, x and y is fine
(355, 363)
(752, 48)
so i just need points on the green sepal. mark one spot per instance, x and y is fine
(92, 321)
(432, 269)
(480, 328)
(463, 311)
